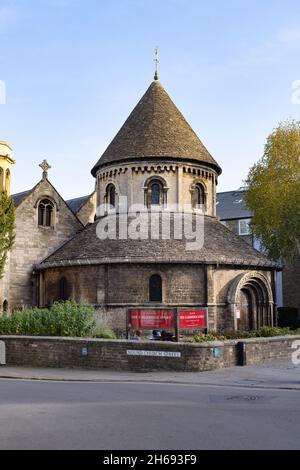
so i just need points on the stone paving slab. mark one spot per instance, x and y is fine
(277, 375)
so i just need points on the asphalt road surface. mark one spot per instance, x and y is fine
(74, 415)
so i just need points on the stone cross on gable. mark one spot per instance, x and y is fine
(45, 167)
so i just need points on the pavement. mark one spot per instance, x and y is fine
(280, 374)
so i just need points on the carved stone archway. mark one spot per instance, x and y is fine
(251, 302)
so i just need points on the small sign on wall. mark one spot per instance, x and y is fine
(2, 353)
(217, 352)
(238, 314)
(84, 352)
(139, 352)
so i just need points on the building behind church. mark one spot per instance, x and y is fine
(234, 214)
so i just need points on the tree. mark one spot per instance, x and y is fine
(274, 193)
(7, 226)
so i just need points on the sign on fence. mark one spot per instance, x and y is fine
(151, 319)
(192, 319)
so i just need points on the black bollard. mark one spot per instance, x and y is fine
(242, 356)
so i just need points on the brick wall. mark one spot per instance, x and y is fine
(105, 354)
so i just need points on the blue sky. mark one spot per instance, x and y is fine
(74, 69)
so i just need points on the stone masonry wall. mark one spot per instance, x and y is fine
(87, 211)
(33, 243)
(127, 283)
(142, 356)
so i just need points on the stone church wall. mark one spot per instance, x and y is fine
(130, 181)
(33, 243)
(111, 288)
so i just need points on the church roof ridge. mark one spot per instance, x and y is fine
(156, 128)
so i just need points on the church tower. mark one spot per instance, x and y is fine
(6, 162)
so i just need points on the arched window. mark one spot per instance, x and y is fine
(63, 289)
(7, 180)
(155, 193)
(45, 213)
(155, 288)
(111, 195)
(1, 179)
(198, 196)
(5, 306)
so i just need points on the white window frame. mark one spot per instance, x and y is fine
(245, 231)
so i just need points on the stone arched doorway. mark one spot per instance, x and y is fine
(251, 301)
(244, 311)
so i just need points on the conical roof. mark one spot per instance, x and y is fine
(155, 129)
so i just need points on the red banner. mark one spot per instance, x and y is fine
(190, 319)
(151, 319)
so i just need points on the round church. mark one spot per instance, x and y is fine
(156, 240)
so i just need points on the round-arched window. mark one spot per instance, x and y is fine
(198, 196)
(1, 180)
(155, 193)
(7, 180)
(155, 288)
(63, 289)
(111, 195)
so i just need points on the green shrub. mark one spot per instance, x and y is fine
(268, 331)
(61, 319)
(264, 332)
(236, 334)
(200, 337)
(103, 331)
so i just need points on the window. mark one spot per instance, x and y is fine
(155, 193)
(7, 181)
(198, 196)
(1, 179)
(111, 195)
(245, 227)
(45, 213)
(155, 288)
(63, 289)
(5, 306)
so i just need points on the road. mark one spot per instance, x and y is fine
(144, 415)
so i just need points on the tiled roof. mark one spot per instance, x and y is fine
(18, 198)
(156, 129)
(231, 205)
(221, 246)
(75, 204)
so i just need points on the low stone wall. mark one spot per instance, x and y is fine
(32, 351)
